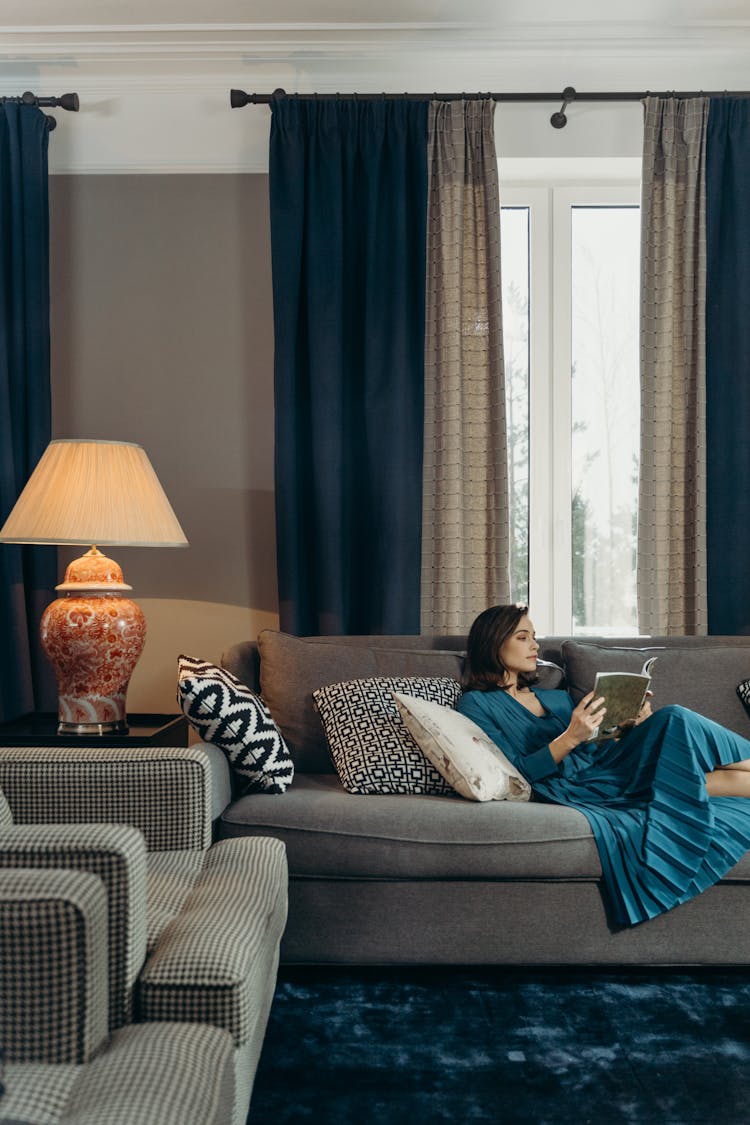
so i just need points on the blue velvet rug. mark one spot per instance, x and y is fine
(411, 1045)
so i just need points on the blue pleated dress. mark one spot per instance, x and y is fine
(661, 838)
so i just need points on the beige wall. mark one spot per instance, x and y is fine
(162, 334)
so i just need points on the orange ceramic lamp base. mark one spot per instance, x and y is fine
(93, 637)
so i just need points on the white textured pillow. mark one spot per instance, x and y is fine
(462, 752)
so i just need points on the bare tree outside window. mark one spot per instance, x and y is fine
(605, 410)
(587, 385)
(515, 278)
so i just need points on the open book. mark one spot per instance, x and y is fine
(624, 694)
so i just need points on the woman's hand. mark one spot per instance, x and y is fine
(584, 721)
(645, 710)
(644, 713)
(586, 718)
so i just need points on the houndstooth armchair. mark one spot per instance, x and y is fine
(136, 928)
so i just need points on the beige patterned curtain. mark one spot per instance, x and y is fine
(465, 521)
(672, 595)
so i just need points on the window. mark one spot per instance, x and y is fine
(570, 261)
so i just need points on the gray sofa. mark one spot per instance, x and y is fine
(440, 879)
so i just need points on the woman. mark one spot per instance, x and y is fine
(661, 799)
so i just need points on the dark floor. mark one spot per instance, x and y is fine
(411, 1045)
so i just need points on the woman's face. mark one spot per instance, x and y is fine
(519, 651)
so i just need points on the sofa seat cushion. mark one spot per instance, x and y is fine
(331, 833)
(170, 879)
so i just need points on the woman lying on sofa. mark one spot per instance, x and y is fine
(661, 799)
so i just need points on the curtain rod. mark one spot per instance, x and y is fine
(65, 101)
(238, 98)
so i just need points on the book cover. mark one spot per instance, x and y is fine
(624, 694)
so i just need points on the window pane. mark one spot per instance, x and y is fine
(515, 277)
(605, 411)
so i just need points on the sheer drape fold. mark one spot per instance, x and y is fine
(672, 589)
(465, 517)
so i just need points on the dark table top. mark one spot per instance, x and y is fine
(40, 729)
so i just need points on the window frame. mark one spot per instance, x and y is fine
(550, 205)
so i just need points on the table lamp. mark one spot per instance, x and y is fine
(97, 493)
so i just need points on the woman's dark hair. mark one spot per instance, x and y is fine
(483, 668)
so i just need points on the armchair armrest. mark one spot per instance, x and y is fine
(169, 1074)
(165, 791)
(117, 855)
(53, 965)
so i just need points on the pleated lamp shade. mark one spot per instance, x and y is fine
(99, 493)
(94, 492)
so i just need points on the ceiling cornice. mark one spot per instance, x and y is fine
(246, 41)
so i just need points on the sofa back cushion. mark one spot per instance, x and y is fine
(703, 677)
(698, 672)
(292, 668)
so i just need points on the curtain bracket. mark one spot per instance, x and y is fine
(559, 120)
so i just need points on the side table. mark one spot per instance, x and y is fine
(39, 728)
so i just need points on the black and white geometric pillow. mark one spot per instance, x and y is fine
(372, 750)
(234, 718)
(743, 690)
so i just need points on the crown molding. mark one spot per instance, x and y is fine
(150, 43)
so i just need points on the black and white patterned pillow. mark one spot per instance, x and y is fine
(743, 690)
(372, 750)
(234, 718)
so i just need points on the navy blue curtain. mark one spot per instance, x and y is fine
(728, 365)
(348, 185)
(27, 575)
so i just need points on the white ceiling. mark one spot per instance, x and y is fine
(398, 13)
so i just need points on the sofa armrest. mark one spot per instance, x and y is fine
(243, 661)
(117, 855)
(53, 965)
(165, 791)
